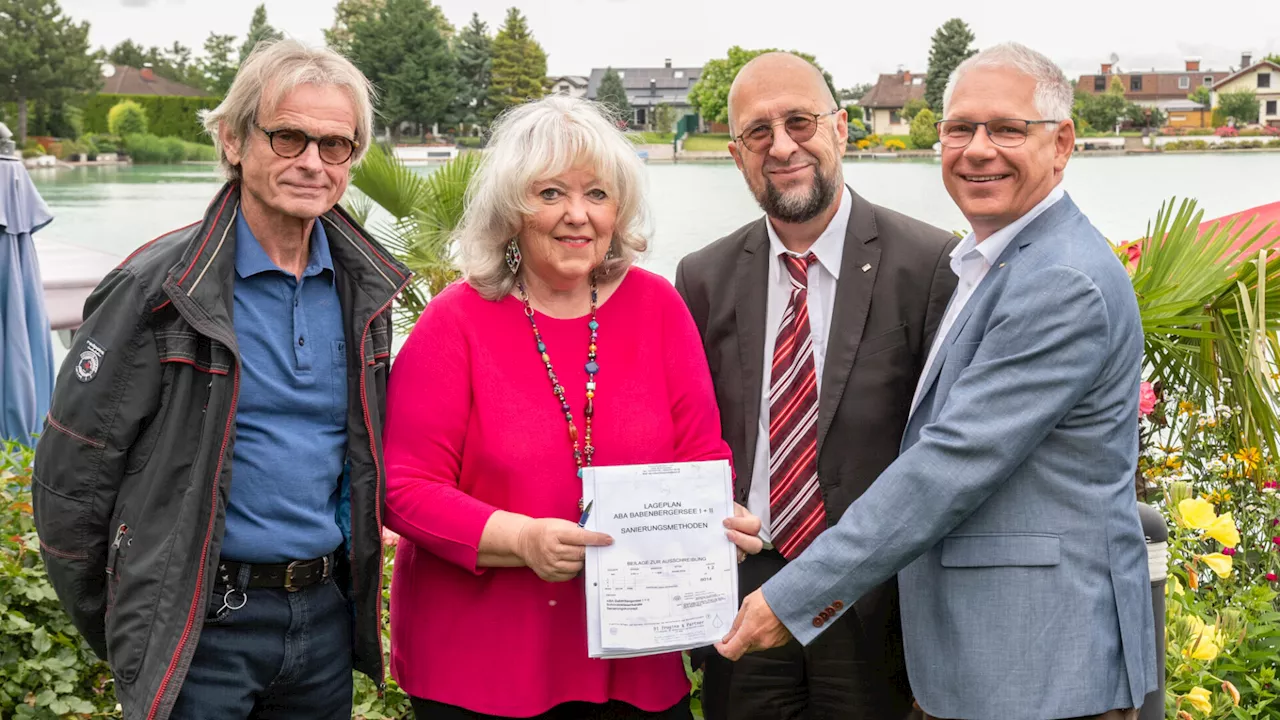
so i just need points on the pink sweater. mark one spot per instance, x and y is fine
(473, 427)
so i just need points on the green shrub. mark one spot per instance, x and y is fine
(106, 143)
(923, 132)
(68, 148)
(195, 152)
(167, 115)
(46, 669)
(127, 118)
(471, 142)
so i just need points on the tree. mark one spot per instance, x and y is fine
(259, 30)
(1144, 117)
(519, 65)
(1103, 111)
(663, 118)
(913, 106)
(855, 112)
(613, 95)
(923, 132)
(854, 93)
(1242, 105)
(44, 56)
(952, 45)
(218, 68)
(403, 54)
(710, 95)
(1202, 95)
(128, 53)
(1273, 58)
(346, 14)
(473, 49)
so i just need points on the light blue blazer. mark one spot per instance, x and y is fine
(1011, 517)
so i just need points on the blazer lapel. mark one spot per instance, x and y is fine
(852, 303)
(751, 308)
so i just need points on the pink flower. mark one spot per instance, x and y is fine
(1228, 551)
(1271, 577)
(1275, 521)
(1276, 540)
(1134, 251)
(1270, 485)
(1146, 398)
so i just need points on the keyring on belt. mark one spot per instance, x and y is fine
(227, 600)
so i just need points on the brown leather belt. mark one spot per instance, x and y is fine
(291, 576)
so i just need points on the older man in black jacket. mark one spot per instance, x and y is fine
(208, 487)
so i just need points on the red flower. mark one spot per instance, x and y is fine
(1228, 551)
(1134, 251)
(1146, 398)
(1271, 577)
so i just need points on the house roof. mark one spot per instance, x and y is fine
(125, 80)
(670, 84)
(574, 80)
(892, 90)
(1246, 71)
(1156, 84)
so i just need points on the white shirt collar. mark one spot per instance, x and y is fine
(995, 244)
(829, 247)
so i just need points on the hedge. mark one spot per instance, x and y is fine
(167, 116)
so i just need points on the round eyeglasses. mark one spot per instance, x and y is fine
(1005, 132)
(290, 143)
(800, 127)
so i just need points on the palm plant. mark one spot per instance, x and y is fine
(423, 210)
(1210, 307)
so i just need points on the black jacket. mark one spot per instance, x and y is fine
(133, 470)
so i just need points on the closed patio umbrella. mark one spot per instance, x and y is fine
(26, 358)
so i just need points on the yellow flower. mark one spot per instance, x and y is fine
(1223, 529)
(1196, 513)
(1219, 563)
(1173, 462)
(1204, 642)
(1186, 407)
(1250, 457)
(1231, 690)
(1198, 698)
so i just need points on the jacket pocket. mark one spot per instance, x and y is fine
(120, 540)
(884, 341)
(1000, 550)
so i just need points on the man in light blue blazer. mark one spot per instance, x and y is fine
(1010, 517)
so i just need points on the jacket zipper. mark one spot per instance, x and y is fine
(377, 484)
(121, 531)
(204, 552)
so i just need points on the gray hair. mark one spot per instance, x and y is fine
(536, 141)
(271, 72)
(1053, 96)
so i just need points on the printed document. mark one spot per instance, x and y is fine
(670, 580)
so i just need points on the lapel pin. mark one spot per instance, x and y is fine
(1001, 264)
(866, 267)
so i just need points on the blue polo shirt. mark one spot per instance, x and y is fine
(291, 430)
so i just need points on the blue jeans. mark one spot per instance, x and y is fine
(282, 655)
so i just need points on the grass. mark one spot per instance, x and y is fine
(708, 142)
(652, 138)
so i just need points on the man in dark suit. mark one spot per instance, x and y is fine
(816, 320)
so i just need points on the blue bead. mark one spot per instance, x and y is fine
(593, 368)
(542, 347)
(593, 325)
(579, 473)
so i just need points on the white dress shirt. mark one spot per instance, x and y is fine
(823, 276)
(971, 261)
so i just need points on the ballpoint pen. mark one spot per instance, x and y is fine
(586, 512)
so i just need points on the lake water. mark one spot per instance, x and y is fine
(118, 209)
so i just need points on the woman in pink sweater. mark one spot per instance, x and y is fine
(554, 354)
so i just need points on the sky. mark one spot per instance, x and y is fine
(854, 41)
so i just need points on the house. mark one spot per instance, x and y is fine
(648, 88)
(1263, 78)
(1154, 87)
(571, 85)
(125, 80)
(884, 102)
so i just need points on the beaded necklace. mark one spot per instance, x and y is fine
(581, 456)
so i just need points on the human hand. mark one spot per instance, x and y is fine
(755, 628)
(555, 549)
(744, 530)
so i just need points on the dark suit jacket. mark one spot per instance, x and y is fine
(883, 321)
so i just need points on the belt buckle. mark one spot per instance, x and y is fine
(288, 576)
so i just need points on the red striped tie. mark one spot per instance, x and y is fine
(795, 503)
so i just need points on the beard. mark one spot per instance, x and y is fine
(800, 205)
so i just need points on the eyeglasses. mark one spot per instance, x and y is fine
(290, 143)
(800, 128)
(1005, 132)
